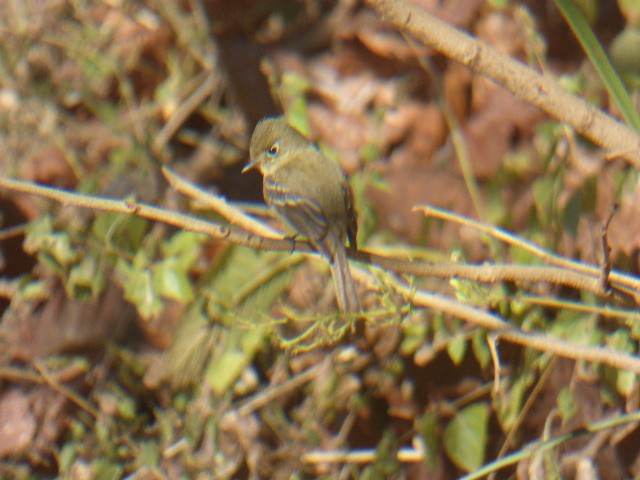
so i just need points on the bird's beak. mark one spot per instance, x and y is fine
(249, 166)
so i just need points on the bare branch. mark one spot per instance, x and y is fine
(524, 82)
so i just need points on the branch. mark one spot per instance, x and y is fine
(490, 273)
(524, 82)
(420, 298)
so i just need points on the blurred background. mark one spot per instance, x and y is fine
(128, 347)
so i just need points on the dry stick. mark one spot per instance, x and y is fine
(360, 456)
(421, 298)
(605, 282)
(461, 310)
(585, 273)
(483, 273)
(505, 331)
(186, 108)
(64, 390)
(490, 273)
(274, 392)
(605, 312)
(219, 204)
(12, 232)
(132, 207)
(545, 343)
(524, 82)
(507, 237)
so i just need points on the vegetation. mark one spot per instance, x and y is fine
(157, 324)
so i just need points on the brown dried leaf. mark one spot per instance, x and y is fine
(419, 130)
(17, 424)
(497, 121)
(62, 324)
(411, 186)
(624, 229)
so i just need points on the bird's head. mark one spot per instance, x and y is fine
(272, 139)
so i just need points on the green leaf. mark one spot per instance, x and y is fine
(184, 248)
(626, 382)
(427, 427)
(456, 349)
(624, 51)
(465, 437)
(235, 354)
(241, 268)
(566, 404)
(121, 230)
(136, 281)
(148, 456)
(66, 457)
(53, 248)
(146, 284)
(86, 279)
(509, 407)
(576, 327)
(172, 281)
(414, 335)
(499, 4)
(589, 8)
(571, 214)
(293, 88)
(544, 198)
(624, 379)
(191, 348)
(598, 57)
(224, 371)
(240, 286)
(104, 468)
(126, 407)
(480, 347)
(370, 152)
(35, 289)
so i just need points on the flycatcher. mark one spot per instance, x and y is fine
(311, 193)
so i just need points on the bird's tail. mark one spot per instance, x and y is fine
(345, 289)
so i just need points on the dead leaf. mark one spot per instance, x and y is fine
(17, 424)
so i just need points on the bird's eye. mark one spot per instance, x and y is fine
(273, 150)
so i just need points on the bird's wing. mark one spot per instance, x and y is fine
(304, 215)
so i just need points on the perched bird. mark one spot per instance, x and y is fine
(311, 193)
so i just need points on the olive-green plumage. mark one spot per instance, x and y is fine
(311, 193)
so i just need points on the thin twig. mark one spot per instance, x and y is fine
(12, 232)
(630, 315)
(584, 277)
(186, 108)
(595, 354)
(234, 215)
(605, 282)
(588, 275)
(420, 298)
(360, 456)
(65, 391)
(507, 331)
(272, 393)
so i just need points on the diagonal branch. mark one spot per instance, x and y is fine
(420, 298)
(524, 82)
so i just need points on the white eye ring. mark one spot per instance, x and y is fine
(274, 149)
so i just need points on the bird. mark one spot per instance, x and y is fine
(310, 193)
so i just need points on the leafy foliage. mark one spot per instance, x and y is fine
(132, 348)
